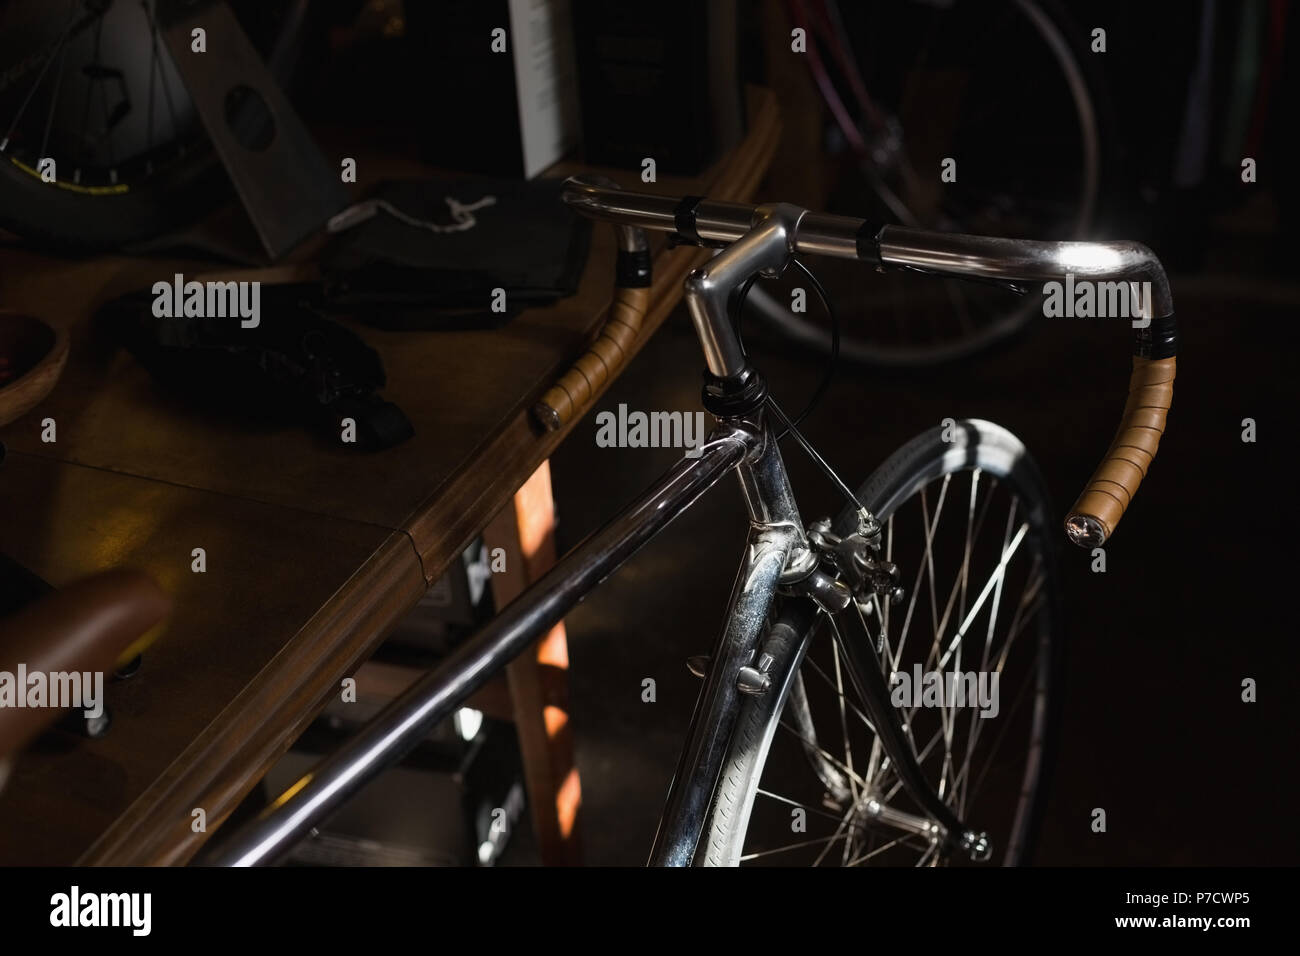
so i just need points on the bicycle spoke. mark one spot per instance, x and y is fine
(928, 560)
(157, 62)
(803, 806)
(845, 824)
(829, 683)
(57, 51)
(973, 720)
(970, 518)
(822, 750)
(952, 595)
(58, 82)
(793, 846)
(90, 95)
(893, 791)
(150, 14)
(844, 722)
(916, 585)
(997, 742)
(1030, 599)
(979, 602)
(876, 852)
(1017, 625)
(839, 639)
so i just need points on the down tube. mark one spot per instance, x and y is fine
(402, 724)
(719, 700)
(776, 540)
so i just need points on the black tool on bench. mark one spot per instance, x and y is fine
(295, 365)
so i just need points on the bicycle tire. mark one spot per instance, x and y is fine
(52, 217)
(997, 452)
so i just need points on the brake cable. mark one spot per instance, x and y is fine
(791, 427)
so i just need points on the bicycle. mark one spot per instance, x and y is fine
(899, 795)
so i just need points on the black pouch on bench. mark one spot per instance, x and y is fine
(295, 365)
(428, 254)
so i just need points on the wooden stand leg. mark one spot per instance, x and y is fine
(538, 678)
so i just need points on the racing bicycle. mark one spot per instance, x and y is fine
(807, 746)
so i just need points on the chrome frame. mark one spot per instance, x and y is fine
(777, 554)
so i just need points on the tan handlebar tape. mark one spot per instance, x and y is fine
(1096, 514)
(600, 363)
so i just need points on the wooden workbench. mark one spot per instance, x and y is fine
(313, 553)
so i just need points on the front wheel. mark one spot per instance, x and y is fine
(971, 653)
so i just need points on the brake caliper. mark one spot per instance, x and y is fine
(857, 557)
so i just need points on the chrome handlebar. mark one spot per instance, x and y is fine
(953, 255)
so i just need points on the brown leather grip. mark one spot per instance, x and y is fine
(599, 364)
(1096, 514)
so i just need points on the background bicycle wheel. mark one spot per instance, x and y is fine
(92, 87)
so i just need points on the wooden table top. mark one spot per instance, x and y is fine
(313, 553)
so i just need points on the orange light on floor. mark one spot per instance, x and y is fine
(534, 513)
(556, 720)
(553, 649)
(567, 801)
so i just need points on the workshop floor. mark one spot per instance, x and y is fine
(1155, 730)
